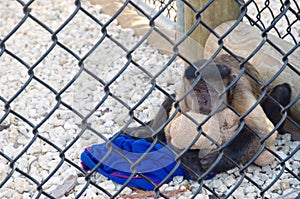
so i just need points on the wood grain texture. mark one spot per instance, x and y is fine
(216, 13)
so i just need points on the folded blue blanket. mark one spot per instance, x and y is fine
(155, 165)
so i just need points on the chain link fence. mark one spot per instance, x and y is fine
(73, 77)
(170, 11)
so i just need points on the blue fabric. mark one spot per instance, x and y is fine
(156, 165)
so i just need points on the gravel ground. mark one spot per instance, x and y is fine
(35, 103)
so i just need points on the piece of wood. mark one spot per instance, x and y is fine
(217, 12)
(244, 39)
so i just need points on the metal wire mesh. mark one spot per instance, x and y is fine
(78, 107)
(170, 10)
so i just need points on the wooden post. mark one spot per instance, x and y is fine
(216, 13)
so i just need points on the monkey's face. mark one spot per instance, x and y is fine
(206, 85)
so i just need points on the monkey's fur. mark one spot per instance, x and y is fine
(248, 130)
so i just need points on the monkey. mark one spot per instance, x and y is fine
(240, 97)
(247, 143)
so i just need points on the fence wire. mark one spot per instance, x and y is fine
(170, 10)
(62, 91)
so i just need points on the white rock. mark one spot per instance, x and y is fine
(229, 181)
(183, 197)
(238, 194)
(286, 137)
(266, 169)
(249, 189)
(79, 187)
(268, 182)
(22, 140)
(26, 196)
(187, 193)
(216, 183)
(32, 112)
(163, 187)
(90, 193)
(126, 191)
(270, 195)
(292, 193)
(170, 188)
(263, 176)
(295, 166)
(276, 186)
(288, 165)
(231, 171)
(222, 188)
(293, 181)
(9, 150)
(68, 183)
(202, 196)
(22, 185)
(281, 154)
(8, 193)
(178, 179)
(296, 156)
(109, 186)
(251, 195)
(108, 123)
(68, 125)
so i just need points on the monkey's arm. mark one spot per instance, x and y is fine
(246, 144)
(256, 120)
(153, 125)
(240, 151)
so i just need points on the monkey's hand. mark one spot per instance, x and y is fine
(145, 132)
(222, 165)
(139, 132)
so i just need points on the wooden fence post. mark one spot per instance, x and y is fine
(216, 13)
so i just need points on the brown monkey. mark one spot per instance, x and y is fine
(246, 143)
(241, 97)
